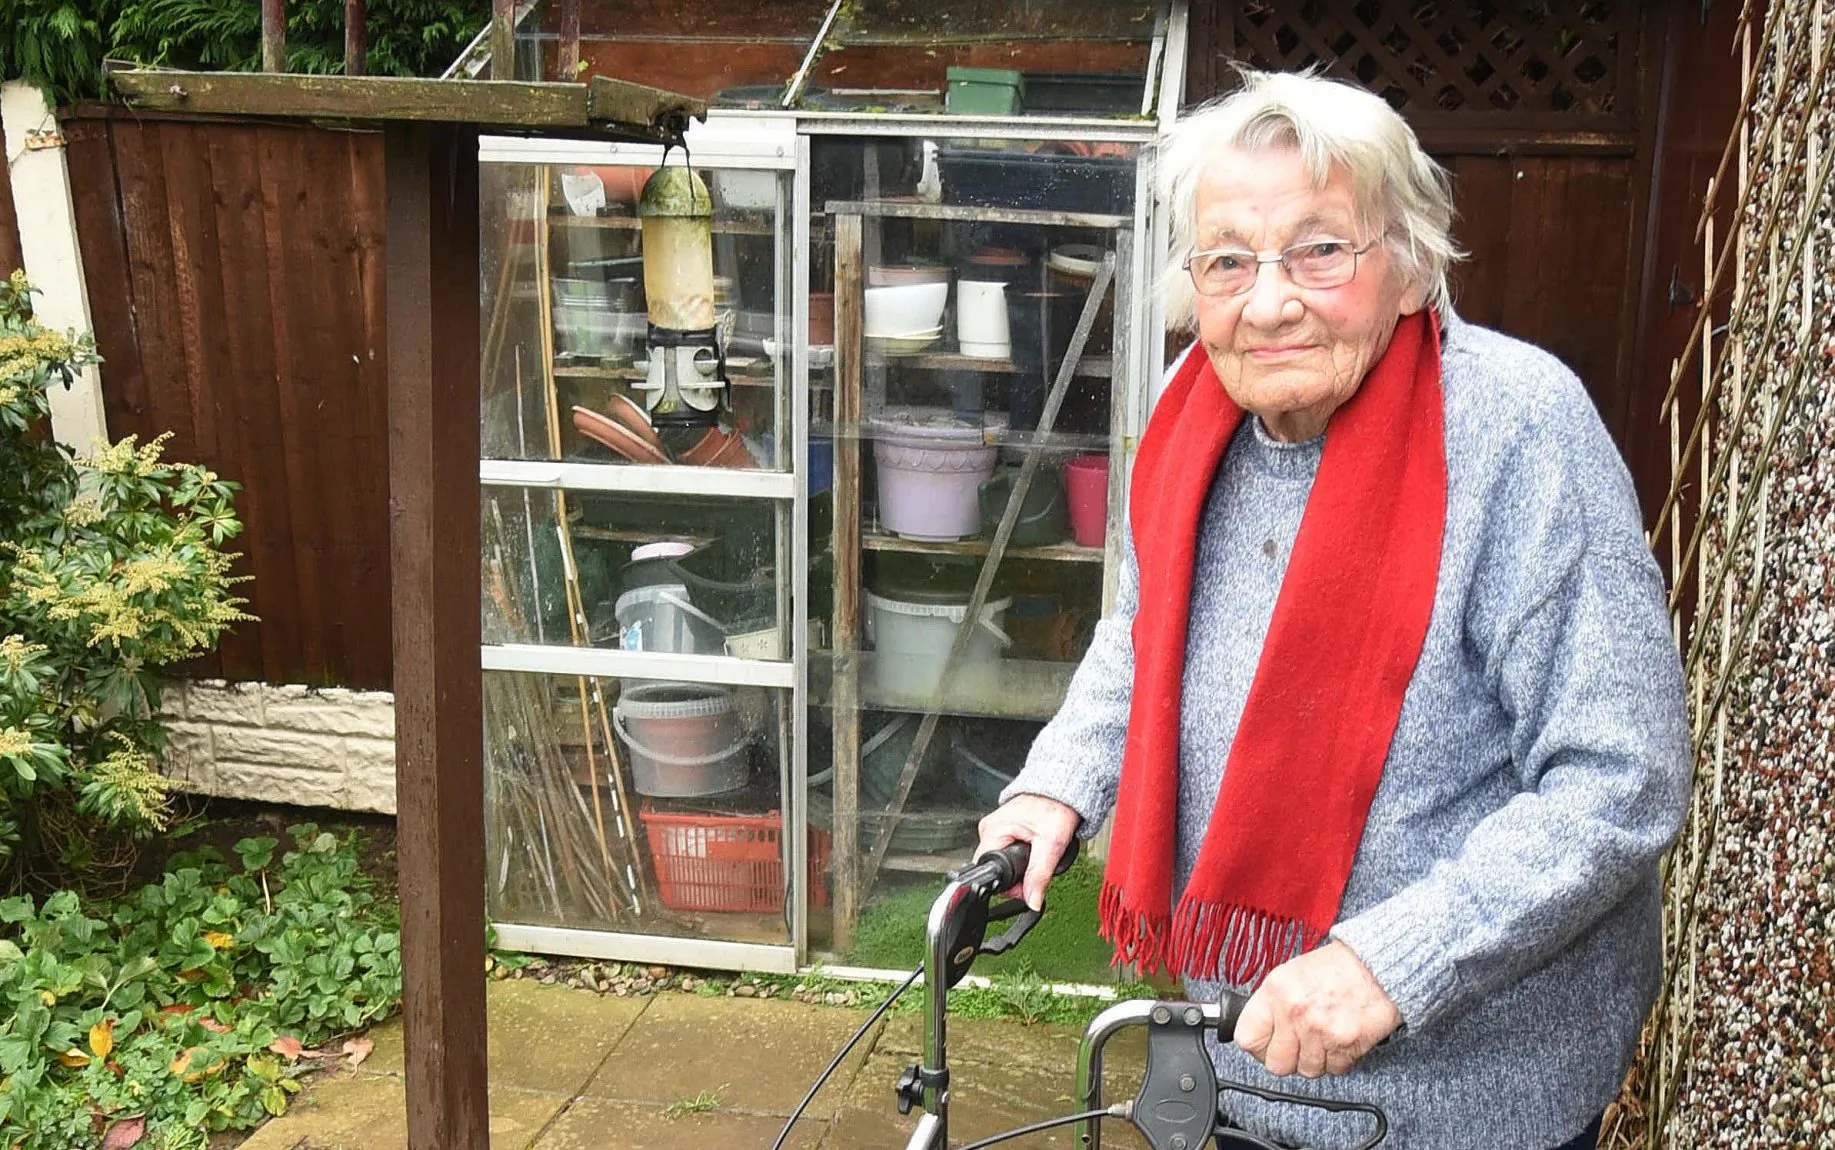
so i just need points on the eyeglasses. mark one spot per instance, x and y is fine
(1313, 265)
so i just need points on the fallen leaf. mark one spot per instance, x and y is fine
(218, 940)
(358, 1049)
(73, 1057)
(177, 1008)
(212, 1025)
(193, 975)
(287, 1046)
(125, 1133)
(102, 1038)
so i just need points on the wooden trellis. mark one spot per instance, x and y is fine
(1562, 63)
(1741, 1010)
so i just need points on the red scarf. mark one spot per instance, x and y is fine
(1347, 631)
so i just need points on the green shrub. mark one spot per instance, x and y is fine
(191, 1006)
(110, 568)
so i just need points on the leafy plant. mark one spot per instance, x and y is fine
(111, 566)
(699, 1103)
(192, 1006)
(60, 44)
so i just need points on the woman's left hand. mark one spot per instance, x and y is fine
(1316, 1014)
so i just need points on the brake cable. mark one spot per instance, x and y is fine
(842, 1055)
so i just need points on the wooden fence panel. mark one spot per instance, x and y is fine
(10, 259)
(235, 275)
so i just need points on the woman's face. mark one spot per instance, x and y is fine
(1290, 355)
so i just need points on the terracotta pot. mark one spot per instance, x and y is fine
(616, 436)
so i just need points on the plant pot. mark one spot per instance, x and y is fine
(1044, 517)
(929, 473)
(685, 740)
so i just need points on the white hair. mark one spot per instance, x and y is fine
(1399, 191)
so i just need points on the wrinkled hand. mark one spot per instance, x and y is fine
(1316, 1014)
(1045, 823)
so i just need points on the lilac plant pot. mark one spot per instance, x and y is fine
(930, 478)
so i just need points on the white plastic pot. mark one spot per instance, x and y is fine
(661, 618)
(912, 639)
(685, 739)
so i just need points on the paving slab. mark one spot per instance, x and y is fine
(757, 1055)
(984, 1100)
(595, 1124)
(542, 1038)
(348, 1110)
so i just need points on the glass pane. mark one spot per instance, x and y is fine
(577, 362)
(1025, 57)
(965, 326)
(639, 806)
(667, 573)
(696, 49)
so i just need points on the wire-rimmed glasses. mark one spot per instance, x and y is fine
(1314, 265)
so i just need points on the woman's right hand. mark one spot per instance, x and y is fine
(1046, 823)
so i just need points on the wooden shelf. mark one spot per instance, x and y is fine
(1027, 689)
(631, 374)
(1060, 552)
(1092, 367)
(940, 863)
(990, 437)
(632, 224)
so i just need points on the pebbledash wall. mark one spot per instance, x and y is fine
(315, 747)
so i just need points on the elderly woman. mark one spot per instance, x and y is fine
(1388, 712)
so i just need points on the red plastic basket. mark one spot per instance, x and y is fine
(727, 862)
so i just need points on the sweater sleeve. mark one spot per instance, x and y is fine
(1588, 674)
(1076, 759)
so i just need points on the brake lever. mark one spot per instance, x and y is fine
(1025, 918)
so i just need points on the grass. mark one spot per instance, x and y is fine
(699, 1103)
(1063, 947)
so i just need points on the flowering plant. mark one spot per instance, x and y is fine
(111, 566)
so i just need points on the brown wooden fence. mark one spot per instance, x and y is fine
(10, 259)
(235, 278)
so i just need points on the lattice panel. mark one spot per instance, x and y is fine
(1561, 58)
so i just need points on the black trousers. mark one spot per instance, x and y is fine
(1587, 1140)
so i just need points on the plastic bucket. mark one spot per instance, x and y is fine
(1086, 480)
(929, 486)
(912, 640)
(662, 618)
(684, 738)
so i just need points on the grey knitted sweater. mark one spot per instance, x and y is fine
(1505, 891)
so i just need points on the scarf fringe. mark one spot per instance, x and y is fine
(1214, 942)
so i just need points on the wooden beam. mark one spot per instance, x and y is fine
(432, 310)
(627, 110)
(273, 35)
(356, 39)
(503, 39)
(567, 63)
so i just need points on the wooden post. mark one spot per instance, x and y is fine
(567, 65)
(844, 690)
(503, 40)
(433, 322)
(356, 38)
(273, 35)
(49, 252)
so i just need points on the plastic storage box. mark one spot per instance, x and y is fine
(984, 91)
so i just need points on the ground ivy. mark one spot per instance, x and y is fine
(194, 1004)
